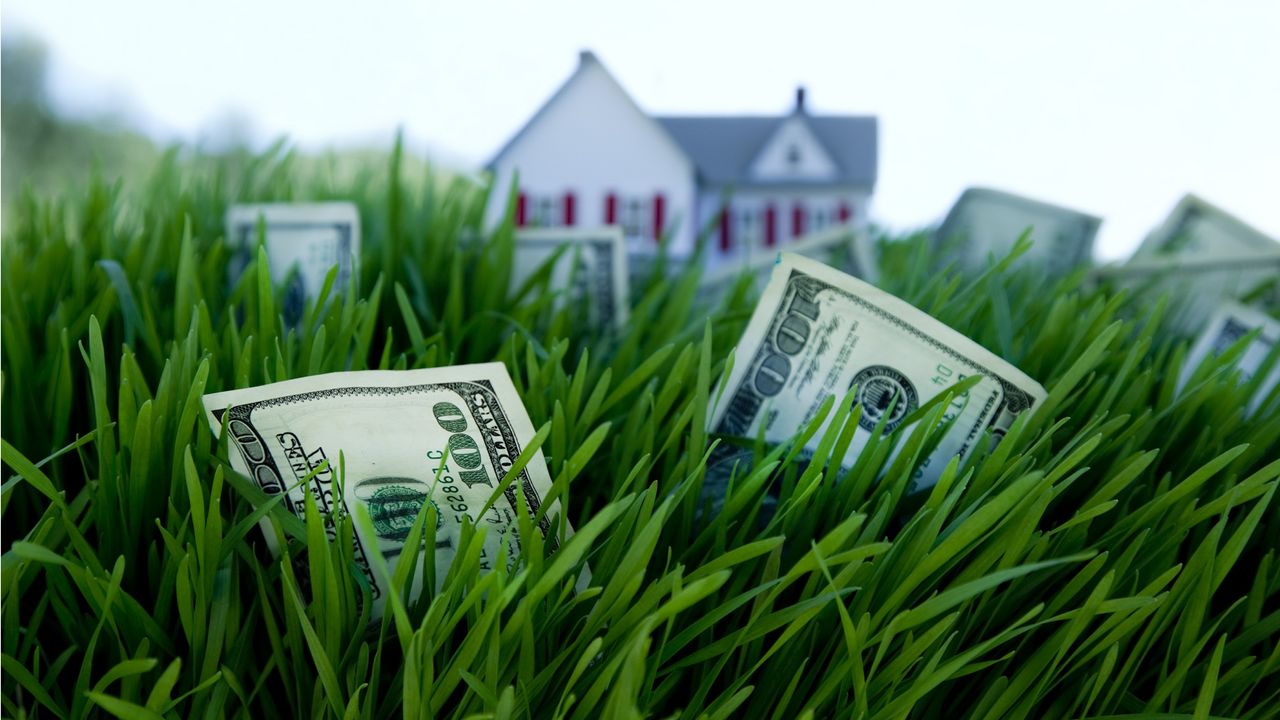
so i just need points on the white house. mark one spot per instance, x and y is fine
(590, 156)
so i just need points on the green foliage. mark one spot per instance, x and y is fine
(1113, 556)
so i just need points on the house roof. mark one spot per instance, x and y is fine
(723, 147)
(586, 59)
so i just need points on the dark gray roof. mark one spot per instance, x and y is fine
(722, 147)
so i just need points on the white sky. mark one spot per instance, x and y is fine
(1114, 107)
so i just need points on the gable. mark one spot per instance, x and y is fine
(793, 152)
(724, 148)
(589, 112)
(591, 148)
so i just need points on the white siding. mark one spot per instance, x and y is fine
(592, 140)
(749, 241)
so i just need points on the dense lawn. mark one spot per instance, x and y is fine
(1114, 556)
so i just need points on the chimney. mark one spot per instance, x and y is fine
(800, 98)
(586, 56)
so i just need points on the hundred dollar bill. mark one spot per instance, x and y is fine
(592, 269)
(443, 437)
(985, 222)
(846, 247)
(1230, 323)
(1196, 227)
(818, 332)
(1198, 283)
(304, 241)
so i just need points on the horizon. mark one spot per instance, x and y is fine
(1115, 111)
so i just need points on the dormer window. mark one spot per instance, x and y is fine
(793, 152)
(793, 155)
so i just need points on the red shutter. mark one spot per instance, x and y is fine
(568, 208)
(610, 209)
(770, 226)
(725, 220)
(843, 212)
(522, 210)
(659, 216)
(797, 220)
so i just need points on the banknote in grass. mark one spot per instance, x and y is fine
(304, 241)
(985, 223)
(588, 266)
(1196, 227)
(846, 247)
(817, 332)
(443, 438)
(1260, 358)
(1197, 283)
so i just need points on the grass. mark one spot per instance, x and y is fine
(1114, 556)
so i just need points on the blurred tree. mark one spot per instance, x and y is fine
(40, 148)
(55, 155)
(25, 119)
(24, 64)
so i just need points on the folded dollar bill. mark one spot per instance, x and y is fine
(591, 270)
(1230, 323)
(1198, 283)
(846, 247)
(817, 332)
(1197, 228)
(985, 222)
(304, 241)
(443, 437)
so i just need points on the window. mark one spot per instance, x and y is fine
(748, 228)
(820, 218)
(793, 156)
(544, 211)
(637, 217)
(539, 210)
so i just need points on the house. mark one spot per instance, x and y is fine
(590, 156)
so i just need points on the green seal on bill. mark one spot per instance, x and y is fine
(393, 508)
